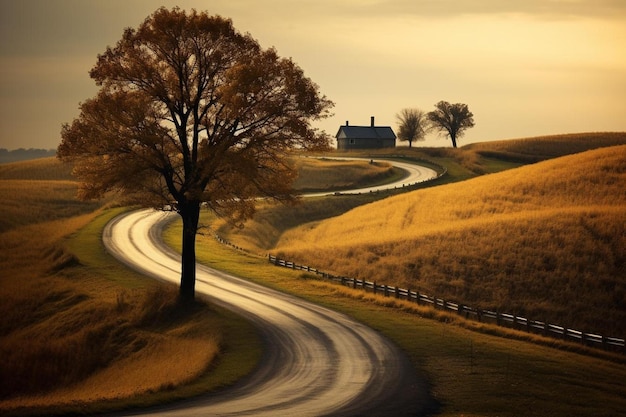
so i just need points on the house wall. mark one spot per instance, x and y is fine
(347, 144)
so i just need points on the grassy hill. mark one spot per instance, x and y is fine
(545, 241)
(37, 191)
(541, 148)
(49, 168)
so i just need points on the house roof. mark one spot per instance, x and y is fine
(365, 132)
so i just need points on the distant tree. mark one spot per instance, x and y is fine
(192, 112)
(412, 125)
(453, 119)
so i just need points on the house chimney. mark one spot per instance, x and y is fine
(347, 123)
(372, 119)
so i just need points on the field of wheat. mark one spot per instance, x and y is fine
(546, 241)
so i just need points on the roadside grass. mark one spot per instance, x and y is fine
(80, 333)
(470, 373)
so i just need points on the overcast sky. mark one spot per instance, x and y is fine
(524, 67)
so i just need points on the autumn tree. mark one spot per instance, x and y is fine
(190, 112)
(412, 125)
(452, 119)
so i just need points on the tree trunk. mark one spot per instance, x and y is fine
(453, 137)
(190, 213)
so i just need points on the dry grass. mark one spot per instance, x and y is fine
(31, 201)
(76, 328)
(39, 190)
(328, 174)
(547, 241)
(36, 169)
(529, 150)
(70, 336)
(469, 372)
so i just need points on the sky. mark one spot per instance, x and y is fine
(524, 67)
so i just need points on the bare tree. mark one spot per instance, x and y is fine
(192, 112)
(453, 119)
(412, 125)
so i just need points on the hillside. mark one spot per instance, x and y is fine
(37, 191)
(546, 241)
(541, 148)
(49, 168)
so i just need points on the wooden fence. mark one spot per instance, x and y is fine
(487, 316)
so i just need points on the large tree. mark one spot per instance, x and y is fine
(191, 112)
(412, 125)
(452, 119)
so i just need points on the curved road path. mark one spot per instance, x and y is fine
(415, 174)
(317, 362)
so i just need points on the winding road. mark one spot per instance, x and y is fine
(317, 362)
(414, 174)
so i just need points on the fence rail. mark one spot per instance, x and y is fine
(500, 319)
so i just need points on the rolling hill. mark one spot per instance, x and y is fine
(546, 241)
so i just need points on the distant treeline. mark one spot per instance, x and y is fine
(22, 154)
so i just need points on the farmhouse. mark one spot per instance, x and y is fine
(365, 137)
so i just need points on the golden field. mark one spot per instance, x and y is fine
(75, 328)
(331, 175)
(69, 311)
(471, 372)
(546, 241)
